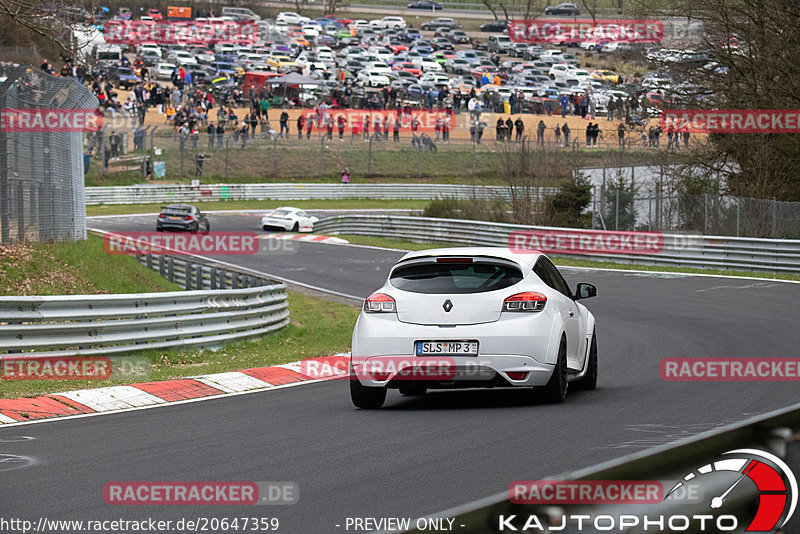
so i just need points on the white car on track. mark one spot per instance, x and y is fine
(473, 317)
(289, 219)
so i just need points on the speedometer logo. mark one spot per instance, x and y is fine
(774, 482)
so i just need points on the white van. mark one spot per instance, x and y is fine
(240, 13)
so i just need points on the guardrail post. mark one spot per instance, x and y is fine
(162, 265)
(198, 273)
(235, 281)
(148, 260)
(213, 277)
(171, 270)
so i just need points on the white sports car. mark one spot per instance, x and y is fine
(473, 317)
(289, 219)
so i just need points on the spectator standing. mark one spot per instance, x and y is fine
(621, 135)
(564, 104)
(557, 131)
(540, 133)
(301, 122)
(396, 128)
(211, 132)
(509, 130)
(446, 129)
(520, 124)
(220, 134)
(284, 121)
(566, 131)
(499, 129)
(589, 132)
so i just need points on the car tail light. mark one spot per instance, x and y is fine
(380, 303)
(162, 216)
(517, 375)
(529, 301)
(188, 218)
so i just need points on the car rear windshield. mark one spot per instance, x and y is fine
(475, 277)
(279, 213)
(176, 210)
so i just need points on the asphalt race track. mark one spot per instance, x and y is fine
(417, 455)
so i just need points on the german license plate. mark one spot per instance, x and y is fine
(173, 218)
(447, 348)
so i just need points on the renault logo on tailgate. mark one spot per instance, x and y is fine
(447, 305)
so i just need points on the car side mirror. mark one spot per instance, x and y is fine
(585, 291)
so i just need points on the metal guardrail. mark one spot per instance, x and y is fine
(777, 433)
(697, 251)
(150, 193)
(224, 306)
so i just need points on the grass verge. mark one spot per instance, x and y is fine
(318, 328)
(79, 268)
(343, 204)
(568, 261)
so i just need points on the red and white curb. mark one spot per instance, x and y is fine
(308, 238)
(118, 398)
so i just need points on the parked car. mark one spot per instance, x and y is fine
(182, 217)
(289, 219)
(495, 26)
(439, 22)
(568, 9)
(388, 22)
(499, 43)
(123, 77)
(425, 4)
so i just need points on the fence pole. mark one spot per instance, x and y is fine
(227, 144)
(419, 160)
(774, 217)
(616, 208)
(275, 156)
(594, 204)
(322, 154)
(474, 159)
(369, 157)
(738, 213)
(649, 210)
(182, 151)
(705, 213)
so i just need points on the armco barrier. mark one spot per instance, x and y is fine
(70, 325)
(149, 193)
(776, 433)
(737, 253)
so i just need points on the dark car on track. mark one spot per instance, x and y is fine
(425, 4)
(495, 26)
(182, 217)
(570, 10)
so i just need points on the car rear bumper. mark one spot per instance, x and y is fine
(519, 343)
(177, 225)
